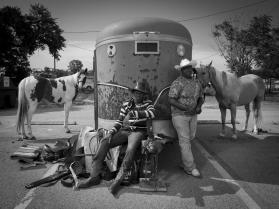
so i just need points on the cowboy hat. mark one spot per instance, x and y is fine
(141, 87)
(184, 63)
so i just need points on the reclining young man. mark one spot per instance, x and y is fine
(136, 111)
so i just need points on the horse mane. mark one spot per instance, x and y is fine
(72, 77)
(223, 81)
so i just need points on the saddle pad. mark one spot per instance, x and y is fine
(27, 151)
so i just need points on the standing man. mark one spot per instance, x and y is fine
(186, 99)
(130, 127)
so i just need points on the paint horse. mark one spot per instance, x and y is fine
(32, 90)
(232, 92)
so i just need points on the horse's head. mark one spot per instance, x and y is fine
(203, 74)
(81, 78)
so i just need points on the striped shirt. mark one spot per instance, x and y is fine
(140, 113)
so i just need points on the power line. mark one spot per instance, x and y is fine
(80, 47)
(89, 31)
(224, 11)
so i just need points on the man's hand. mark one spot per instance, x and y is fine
(129, 116)
(107, 137)
(198, 110)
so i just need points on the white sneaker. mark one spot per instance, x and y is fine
(195, 173)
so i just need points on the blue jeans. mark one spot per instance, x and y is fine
(186, 127)
(133, 138)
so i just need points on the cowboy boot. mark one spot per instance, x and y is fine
(97, 164)
(114, 187)
(123, 171)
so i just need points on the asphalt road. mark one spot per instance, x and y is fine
(236, 174)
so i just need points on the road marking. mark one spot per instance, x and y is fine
(244, 196)
(30, 195)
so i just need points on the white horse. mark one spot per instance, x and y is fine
(232, 92)
(32, 90)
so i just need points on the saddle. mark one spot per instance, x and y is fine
(58, 151)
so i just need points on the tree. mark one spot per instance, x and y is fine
(14, 37)
(21, 35)
(46, 32)
(60, 73)
(265, 41)
(231, 43)
(75, 66)
(256, 45)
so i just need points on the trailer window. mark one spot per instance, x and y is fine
(147, 47)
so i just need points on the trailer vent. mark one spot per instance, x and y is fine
(146, 47)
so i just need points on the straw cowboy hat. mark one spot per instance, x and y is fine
(141, 87)
(184, 63)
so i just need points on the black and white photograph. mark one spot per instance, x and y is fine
(127, 104)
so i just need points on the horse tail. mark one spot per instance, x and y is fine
(22, 106)
(257, 111)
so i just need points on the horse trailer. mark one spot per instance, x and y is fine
(142, 49)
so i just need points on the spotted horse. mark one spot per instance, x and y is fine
(34, 89)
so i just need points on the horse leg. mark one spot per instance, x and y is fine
(233, 116)
(247, 109)
(23, 134)
(67, 107)
(31, 110)
(257, 115)
(223, 111)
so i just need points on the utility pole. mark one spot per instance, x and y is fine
(54, 64)
(95, 90)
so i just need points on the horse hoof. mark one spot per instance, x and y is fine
(255, 131)
(234, 137)
(24, 137)
(67, 131)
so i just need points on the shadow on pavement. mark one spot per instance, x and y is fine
(184, 186)
(250, 158)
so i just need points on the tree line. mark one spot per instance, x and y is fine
(250, 47)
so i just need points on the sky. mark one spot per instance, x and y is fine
(76, 18)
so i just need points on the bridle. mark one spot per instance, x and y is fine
(208, 84)
(82, 80)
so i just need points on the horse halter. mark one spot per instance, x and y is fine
(209, 84)
(83, 80)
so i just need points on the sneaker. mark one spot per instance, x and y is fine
(195, 173)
